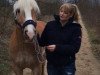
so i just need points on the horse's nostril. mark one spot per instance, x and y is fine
(26, 32)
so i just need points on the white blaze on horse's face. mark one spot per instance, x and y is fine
(27, 7)
(30, 31)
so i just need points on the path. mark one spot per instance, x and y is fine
(86, 63)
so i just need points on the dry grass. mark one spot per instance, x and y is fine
(91, 19)
(5, 31)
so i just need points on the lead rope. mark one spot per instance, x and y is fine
(38, 52)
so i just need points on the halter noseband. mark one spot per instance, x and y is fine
(29, 22)
(26, 23)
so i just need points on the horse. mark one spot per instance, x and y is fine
(25, 51)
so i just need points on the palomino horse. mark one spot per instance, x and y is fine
(24, 48)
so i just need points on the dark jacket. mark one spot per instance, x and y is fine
(67, 40)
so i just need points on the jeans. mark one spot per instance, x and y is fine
(65, 70)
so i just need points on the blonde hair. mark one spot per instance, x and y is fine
(73, 9)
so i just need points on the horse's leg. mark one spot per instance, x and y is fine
(43, 57)
(45, 68)
(16, 69)
(36, 70)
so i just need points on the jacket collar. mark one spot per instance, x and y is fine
(57, 18)
(70, 21)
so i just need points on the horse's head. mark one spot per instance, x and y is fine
(25, 12)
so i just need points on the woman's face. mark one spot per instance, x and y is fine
(64, 15)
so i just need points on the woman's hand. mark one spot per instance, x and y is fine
(51, 48)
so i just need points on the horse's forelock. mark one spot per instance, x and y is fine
(26, 4)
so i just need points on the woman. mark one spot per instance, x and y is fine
(62, 39)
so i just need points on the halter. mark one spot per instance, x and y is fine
(29, 22)
(26, 23)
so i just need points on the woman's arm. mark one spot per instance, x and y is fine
(74, 46)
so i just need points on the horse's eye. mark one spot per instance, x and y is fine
(17, 11)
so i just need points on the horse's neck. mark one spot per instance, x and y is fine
(19, 34)
(16, 40)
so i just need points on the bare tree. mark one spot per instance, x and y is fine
(49, 1)
(69, 1)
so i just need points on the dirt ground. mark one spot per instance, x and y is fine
(86, 64)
